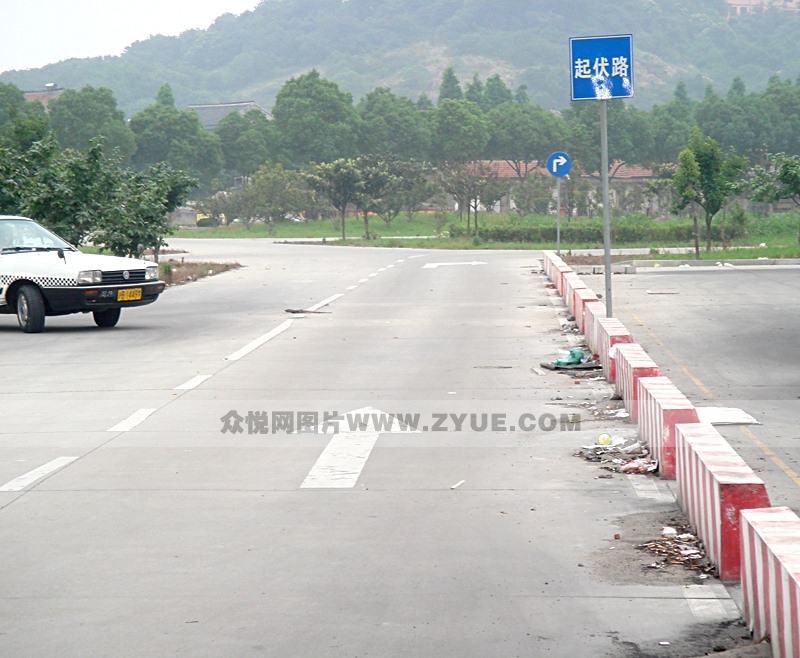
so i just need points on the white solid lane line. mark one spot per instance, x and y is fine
(18, 484)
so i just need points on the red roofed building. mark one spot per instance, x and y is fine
(625, 184)
(49, 92)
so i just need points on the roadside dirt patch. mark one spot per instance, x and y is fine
(592, 260)
(176, 272)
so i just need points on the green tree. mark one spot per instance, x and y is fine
(524, 135)
(315, 120)
(279, 192)
(470, 184)
(687, 186)
(495, 93)
(417, 185)
(712, 182)
(521, 95)
(166, 134)
(424, 102)
(78, 117)
(780, 180)
(339, 182)
(379, 178)
(450, 88)
(460, 131)
(247, 141)
(139, 219)
(738, 120)
(533, 194)
(629, 136)
(241, 203)
(780, 101)
(392, 125)
(475, 91)
(72, 192)
(672, 124)
(22, 124)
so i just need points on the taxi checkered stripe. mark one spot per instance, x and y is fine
(43, 281)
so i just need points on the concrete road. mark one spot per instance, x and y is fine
(727, 337)
(154, 502)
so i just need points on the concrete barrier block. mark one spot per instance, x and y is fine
(714, 485)
(581, 297)
(771, 577)
(610, 332)
(572, 282)
(591, 312)
(631, 363)
(559, 271)
(661, 407)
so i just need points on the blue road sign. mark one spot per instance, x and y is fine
(601, 67)
(559, 164)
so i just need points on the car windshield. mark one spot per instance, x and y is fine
(27, 235)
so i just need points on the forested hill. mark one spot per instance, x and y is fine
(406, 45)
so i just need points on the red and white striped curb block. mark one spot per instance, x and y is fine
(632, 362)
(561, 270)
(610, 332)
(592, 311)
(714, 485)
(549, 261)
(572, 282)
(771, 577)
(661, 407)
(581, 297)
(555, 268)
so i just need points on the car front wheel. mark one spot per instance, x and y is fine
(106, 319)
(30, 309)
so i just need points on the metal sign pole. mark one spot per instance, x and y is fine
(558, 216)
(606, 204)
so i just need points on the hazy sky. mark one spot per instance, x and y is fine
(39, 32)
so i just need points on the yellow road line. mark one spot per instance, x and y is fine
(771, 454)
(700, 385)
(778, 461)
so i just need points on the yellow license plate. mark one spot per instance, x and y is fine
(129, 295)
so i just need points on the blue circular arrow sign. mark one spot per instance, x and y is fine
(559, 164)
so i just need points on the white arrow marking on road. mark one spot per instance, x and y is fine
(557, 162)
(341, 462)
(433, 266)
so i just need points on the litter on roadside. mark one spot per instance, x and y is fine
(620, 455)
(678, 546)
(576, 359)
(640, 465)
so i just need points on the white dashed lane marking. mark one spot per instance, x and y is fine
(258, 342)
(131, 421)
(194, 382)
(18, 484)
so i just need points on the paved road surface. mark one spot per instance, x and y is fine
(133, 525)
(728, 337)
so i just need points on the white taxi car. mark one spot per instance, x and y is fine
(41, 274)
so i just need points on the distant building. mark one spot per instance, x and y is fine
(210, 115)
(624, 180)
(50, 91)
(739, 7)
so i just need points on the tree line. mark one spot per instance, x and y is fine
(85, 170)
